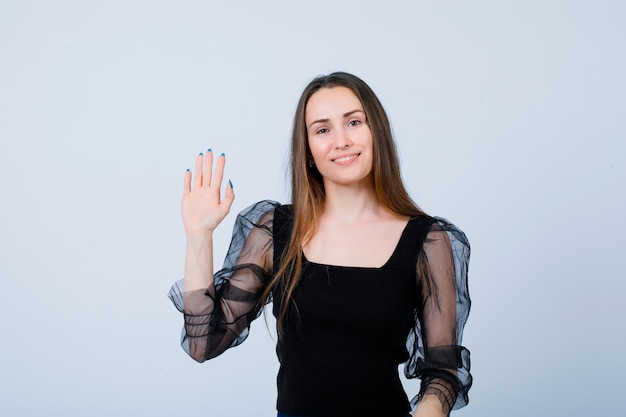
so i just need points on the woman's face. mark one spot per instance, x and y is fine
(339, 138)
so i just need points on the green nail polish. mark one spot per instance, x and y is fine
(209, 150)
(200, 154)
(223, 154)
(231, 184)
(188, 170)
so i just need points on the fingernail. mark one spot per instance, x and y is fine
(200, 154)
(209, 150)
(231, 184)
(223, 154)
(188, 170)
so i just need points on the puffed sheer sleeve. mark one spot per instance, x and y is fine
(219, 317)
(436, 354)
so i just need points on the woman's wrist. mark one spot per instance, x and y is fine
(198, 237)
(429, 406)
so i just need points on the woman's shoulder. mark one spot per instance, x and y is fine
(262, 206)
(261, 210)
(285, 210)
(442, 224)
(265, 214)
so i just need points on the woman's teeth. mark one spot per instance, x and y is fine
(345, 158)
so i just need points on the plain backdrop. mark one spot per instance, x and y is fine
(509, 117)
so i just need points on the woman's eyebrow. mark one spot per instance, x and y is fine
(350, 113)
(319, 121)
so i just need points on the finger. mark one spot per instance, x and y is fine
(219, 172)
(187, 182)
(208, 168)
(229, 196)
(198, 170)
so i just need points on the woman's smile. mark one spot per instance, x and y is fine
(346, 160)
(339, 137)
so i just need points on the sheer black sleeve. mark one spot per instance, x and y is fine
(219, 317)
(436, 354)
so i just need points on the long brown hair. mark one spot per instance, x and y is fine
(307, 186)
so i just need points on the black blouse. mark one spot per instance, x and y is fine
(393, 314)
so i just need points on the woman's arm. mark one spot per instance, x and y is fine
(218, 317)
(203, 210)
(218, 307)
(438, 357)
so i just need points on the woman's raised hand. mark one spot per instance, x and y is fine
(203, 207)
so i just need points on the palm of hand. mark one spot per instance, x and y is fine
(203, 207)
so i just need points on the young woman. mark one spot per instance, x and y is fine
(361, 279)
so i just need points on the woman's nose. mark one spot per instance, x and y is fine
(342, 139)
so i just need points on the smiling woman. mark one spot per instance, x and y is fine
(340, 142)
(361, 279)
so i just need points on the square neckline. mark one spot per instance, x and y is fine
(383, 266)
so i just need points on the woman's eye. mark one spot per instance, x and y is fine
(322, 131)
(354, 122)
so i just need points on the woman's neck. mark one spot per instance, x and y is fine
(349, 204)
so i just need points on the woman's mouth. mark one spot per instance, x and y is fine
(346, 159)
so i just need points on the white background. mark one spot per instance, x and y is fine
(509, 116)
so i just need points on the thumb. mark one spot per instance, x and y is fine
(229, 195)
